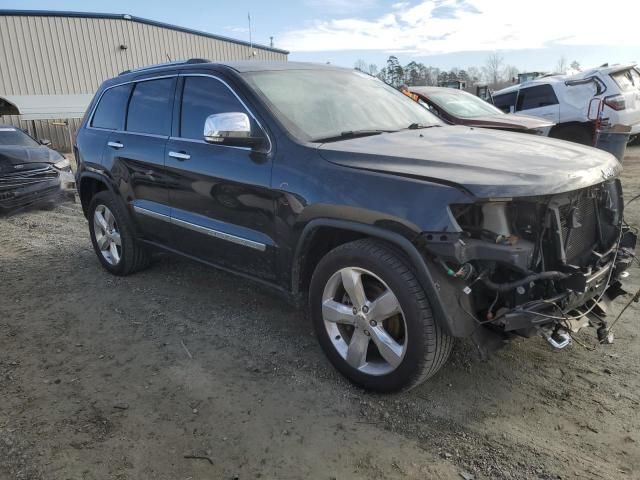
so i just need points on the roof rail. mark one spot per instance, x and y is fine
(167, 64)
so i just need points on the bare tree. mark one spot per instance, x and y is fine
(511, 73)
(493, 68)
(474, 74)
(575, 65)
(361, 65)
(373, 69)
(562, 65)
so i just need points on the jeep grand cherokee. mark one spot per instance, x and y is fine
(400, 233)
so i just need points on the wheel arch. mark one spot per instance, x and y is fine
(89, 184)
(306, 258)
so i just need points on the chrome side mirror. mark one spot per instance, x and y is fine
(233, 128)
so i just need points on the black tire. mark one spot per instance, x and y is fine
(133, 256)
(581, 134)
(427, 345)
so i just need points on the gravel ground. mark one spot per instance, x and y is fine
(124, 378)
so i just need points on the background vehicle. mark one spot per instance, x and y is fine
(400, 233)
(30, 172)
(567, 101)
(458, 107)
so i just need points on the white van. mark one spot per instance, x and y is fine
(574, 102)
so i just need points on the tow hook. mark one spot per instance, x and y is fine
(557, 338)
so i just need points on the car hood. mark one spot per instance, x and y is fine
(486, 163)
(11, 155)
(509, 120)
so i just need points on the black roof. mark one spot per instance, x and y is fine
(241, 66)
(124, 16)
(259, 65)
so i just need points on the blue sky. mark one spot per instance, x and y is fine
(441, 33)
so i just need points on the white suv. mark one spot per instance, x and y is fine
(574, 102)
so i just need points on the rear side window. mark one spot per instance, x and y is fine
(201, 97)
(536, 97)
(151, 107)
(112, 108)
(505, 101)
(627, 80)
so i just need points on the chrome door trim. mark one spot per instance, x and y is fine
(151, 213)
(220, 235)
(201, 229)
(115, 144)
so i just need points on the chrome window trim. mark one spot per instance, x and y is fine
(93, 110)
(244, 105)
(142, 134)
(201, 229)
(126, 132)
(95, 107)
(202, 142)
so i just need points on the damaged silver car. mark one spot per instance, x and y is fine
(31, 173)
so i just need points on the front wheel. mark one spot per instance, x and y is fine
(373, 319)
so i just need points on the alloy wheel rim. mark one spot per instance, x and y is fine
(364, 321)
(107, 235)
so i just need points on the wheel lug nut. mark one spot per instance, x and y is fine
(355, 310)
(373, 323)
(366, 332)
(365, 309)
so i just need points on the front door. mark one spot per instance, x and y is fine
(222, 207)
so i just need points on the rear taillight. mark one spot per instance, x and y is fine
(615, 101)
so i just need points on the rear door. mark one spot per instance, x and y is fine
(108, 116)
(222, 206)
(136, 155)
(539, 101)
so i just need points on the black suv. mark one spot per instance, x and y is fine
(399, 233)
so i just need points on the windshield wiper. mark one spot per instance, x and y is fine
(416, 126)
(350, 134)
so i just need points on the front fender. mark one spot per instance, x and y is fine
(438, 288)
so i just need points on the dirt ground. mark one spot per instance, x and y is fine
(124, 378)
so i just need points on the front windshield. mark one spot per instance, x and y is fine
(463, 105)
(13, 136)
(319, 104)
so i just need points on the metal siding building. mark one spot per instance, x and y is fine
(69, 53)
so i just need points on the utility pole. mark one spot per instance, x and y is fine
(250, 37)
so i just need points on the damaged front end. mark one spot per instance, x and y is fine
(543, 265)
(31, 184)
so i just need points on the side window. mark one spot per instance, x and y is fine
(112, 108)
(151, 107)
(536, 97)
(201, 97)
(505, 101)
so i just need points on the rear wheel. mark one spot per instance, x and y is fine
(373, 319)
(112, 236)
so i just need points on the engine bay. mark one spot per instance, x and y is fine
(539, 265)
